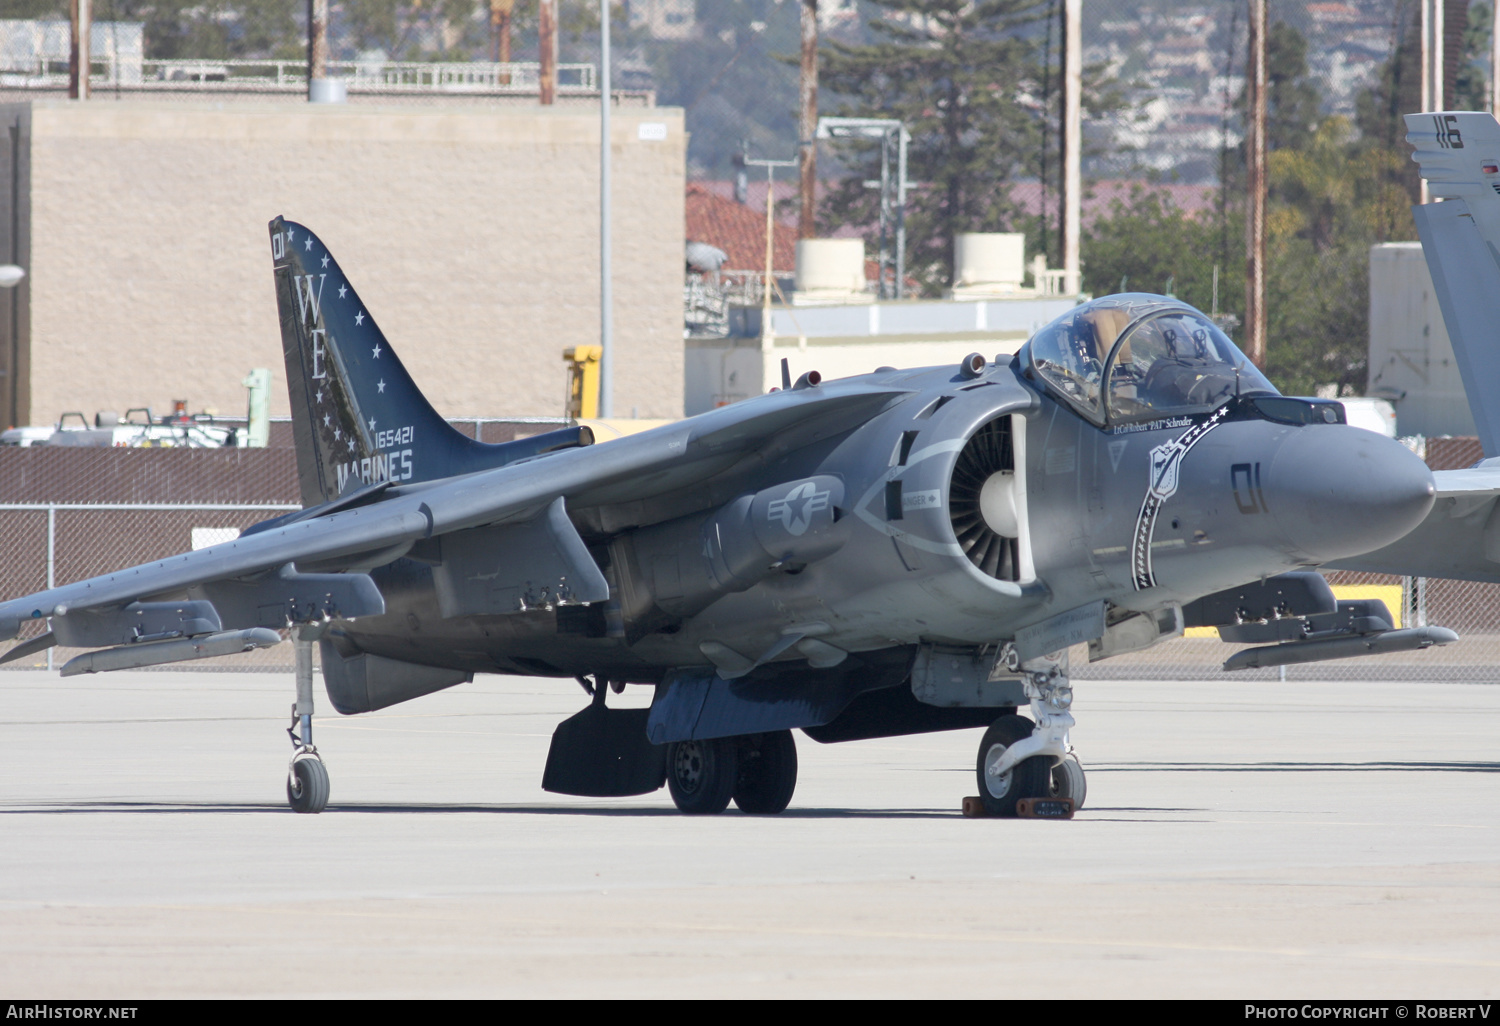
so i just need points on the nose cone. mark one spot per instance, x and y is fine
(1340, 491)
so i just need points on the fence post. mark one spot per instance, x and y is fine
(51, 558)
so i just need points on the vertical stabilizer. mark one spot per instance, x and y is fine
(1459, 156)
(357, 416)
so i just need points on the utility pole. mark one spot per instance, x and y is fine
(546, 38)
(500, 13)
(606, 298)
(1495, 66)
(79, 49)
(1432, 63)
(319, 88)
(1255, 160)
(1072, 183)
(807, 129)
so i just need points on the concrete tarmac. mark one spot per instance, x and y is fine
(1260, 840)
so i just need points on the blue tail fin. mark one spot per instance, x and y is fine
(357, 416)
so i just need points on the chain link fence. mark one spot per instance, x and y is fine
(51, 544)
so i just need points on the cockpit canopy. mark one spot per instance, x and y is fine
(1135, 357)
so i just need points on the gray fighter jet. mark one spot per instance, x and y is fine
(900, 552)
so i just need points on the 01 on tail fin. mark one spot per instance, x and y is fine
(1459, 156)
(357, 416)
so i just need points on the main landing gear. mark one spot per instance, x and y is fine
(1021, 758)
(757, 771)
(307, 777)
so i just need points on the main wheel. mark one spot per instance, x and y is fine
(307, 785)
(1030, 779)
(767, 773)
(701, 775)
(1068, 781)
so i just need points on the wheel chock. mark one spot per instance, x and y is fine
(1026, 808)
(1045, 808)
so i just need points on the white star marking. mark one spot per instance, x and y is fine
(376, 351)
(359, 318)
(337, 434)
(342, 290)
(372, 423)
(290, 234)
(380, 385)
(309, 244)
(319, 396)
(327, 420)
(325, 259)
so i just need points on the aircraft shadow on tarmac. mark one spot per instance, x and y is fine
(1298, 767)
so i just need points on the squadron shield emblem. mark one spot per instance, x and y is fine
(1166, 462)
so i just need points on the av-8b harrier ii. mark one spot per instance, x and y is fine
(895, 553)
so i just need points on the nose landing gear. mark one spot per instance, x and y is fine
(1021, 758)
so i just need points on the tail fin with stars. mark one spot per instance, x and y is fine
(357, 416)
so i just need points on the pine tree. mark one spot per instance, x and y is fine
(962, 76)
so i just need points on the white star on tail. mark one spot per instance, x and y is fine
(372, 423)
(289, 234)
(380, 385)
(319, 396)
(309, 244)
(327, 420)
(342, 290)
(359, 318)
(325, 259)
(376, 351)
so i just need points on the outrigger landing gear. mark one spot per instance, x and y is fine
(1021, 758)
(307, 777)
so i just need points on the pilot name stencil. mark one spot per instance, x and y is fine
(1166, 461)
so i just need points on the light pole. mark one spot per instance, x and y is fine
(890, 132)
(766, 335)
(606, 297)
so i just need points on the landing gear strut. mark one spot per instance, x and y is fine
(1021, 758)
(307, 777)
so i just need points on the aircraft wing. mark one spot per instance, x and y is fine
(632, 468)
(1459, 539)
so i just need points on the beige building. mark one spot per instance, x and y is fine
(471, 234)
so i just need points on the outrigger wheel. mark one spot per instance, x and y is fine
(1029, 779)
(701, 774)
(307, 784)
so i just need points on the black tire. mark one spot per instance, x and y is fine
(767, 773)
(1031, 779)
(1068, 781)
(701, 775)
(307, 786)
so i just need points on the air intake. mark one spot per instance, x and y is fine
(981, 501)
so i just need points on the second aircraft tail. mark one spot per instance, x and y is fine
(1459, 156)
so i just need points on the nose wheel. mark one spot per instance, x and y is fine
(1000, 788)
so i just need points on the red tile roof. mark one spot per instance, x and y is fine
(738, 230)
